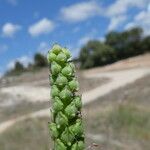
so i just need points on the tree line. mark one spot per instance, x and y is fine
(117, 46)
(39, 61)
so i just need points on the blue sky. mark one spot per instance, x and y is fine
(27, 27)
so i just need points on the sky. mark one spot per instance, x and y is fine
(28, 27)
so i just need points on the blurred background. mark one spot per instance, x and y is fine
(110, 44)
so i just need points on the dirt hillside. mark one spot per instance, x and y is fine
(140, 61)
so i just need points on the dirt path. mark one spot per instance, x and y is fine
(118, 79)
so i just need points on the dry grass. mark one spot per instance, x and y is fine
(121, 117)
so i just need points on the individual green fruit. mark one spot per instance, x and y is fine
(77, 128)
(53, 129)
(61, 120)
(66, 52)
(67, 71)
(67, 136)
(61, 80)
(73, 85)
(77, 101)
(65, 94)
(52, 81)
(71, 110)
(61, 58)
(74, 146)
(57, 105)
(51, 57)
(81, 145)
(55, 68)
(73, 66)
(78, 146)
(56, 49)
(60, 145)
(54, 91)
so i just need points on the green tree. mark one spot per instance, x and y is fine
(40, 60)
(126, 43)
(96, 53)
(18, 67)
(146, 44)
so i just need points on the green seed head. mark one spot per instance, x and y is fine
(66, 127)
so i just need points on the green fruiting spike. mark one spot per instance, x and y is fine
(66, 127)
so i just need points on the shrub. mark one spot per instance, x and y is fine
(95, 53)
(40, 60)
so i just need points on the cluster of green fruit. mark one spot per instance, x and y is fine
(66, 127)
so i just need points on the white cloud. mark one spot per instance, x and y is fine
(12, 2)
(116, 21)
(76, 29)
(121, 6)
(117, 12)
(3, 48)
(9, 29)
(80, 11)
(25, 60)
(130, 25)
(142, 19)
(102, 39)
(84, 40)
(44, 26)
